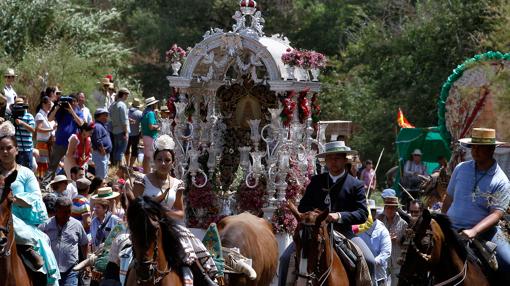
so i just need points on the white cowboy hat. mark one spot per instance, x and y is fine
(481, 136)
(151, 101)
(336, 147)
(105, 193)
(417, 152)
(59, 178)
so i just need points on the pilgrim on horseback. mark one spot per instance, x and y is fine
(342, 196)
(156, 211)
(24, 214)
(478, 196)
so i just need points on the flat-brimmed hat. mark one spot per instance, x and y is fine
(9, 72)
(164, 108)
(336, 147)
(105, 193)
(417, 152)
(391, 201)
(101, 110)
(135, 103)
(481, 136)
(105, 81)
(150, 101)
(59, 178)
(19, 100)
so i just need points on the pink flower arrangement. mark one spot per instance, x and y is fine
(292, 57)
(175, 54)
(303, 58)
(251, 200)
(283, 220)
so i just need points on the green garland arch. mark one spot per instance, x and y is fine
(457, 73)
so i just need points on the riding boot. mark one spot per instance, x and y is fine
(31, 256)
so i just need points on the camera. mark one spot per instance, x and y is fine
(65, 101)
(18, 110)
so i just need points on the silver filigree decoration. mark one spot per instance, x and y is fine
(212, 32)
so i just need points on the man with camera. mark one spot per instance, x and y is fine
(68, 117)
(24, 123)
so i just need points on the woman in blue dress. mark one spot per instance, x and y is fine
(28, 210)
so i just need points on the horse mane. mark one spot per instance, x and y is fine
(138, 214)
(451, 236)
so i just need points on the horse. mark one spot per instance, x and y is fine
(156, 246)
(435, 188)
(255, 239)
(433, 254)
(316, 259)
(13, 271)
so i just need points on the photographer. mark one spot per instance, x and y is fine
(68, 117)
(24, 123)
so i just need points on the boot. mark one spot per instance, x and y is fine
(32, 256)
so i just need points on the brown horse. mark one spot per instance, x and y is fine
(433, 255)
(255, 239)
(12, 268)
(317, 262)
(155, 246)
(435, 187)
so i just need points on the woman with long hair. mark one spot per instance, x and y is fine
(79, 148)
(44, 134)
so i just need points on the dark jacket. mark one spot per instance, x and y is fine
(347, 198)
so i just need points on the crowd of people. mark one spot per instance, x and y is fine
(72, 167)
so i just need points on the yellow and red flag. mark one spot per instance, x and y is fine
(402, 120)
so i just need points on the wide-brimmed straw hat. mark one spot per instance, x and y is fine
(105, 193)
(481, 136)
(417, 152)
(391, 201)
(59, 178)
(150, 101)
(9, 72)
(336, 147)
(135, 103)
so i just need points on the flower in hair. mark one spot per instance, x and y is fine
(7, 129)
(164, 142)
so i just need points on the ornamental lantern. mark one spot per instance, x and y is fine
(248, 7)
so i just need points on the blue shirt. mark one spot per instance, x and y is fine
(101, 137)
(135, 114)
(66, 126)
(377, 238)
(65, 241)
(96, 224)
(473, 202)
(23, 136)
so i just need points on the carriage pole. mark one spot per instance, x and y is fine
(375, 172)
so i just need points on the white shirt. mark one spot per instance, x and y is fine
(335, 178)
(10, 94)
(86, 114)
(71, 190)
(43, 116)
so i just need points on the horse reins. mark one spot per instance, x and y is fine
(155, 274)
(6, 230)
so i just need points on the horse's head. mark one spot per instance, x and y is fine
(6, 224)
(144, 217)
(311, 239)
(421, 250)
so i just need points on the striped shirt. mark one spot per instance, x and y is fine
(23, 136)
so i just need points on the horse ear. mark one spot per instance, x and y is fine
(321, 217)
(294, 211)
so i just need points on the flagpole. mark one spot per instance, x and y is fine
(375, 174)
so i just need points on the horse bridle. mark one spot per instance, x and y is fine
(155, 274)
(6, 230)
(412, 278)
(310, 277)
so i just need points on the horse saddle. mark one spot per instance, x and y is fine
(485, 251)
(348, 257)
